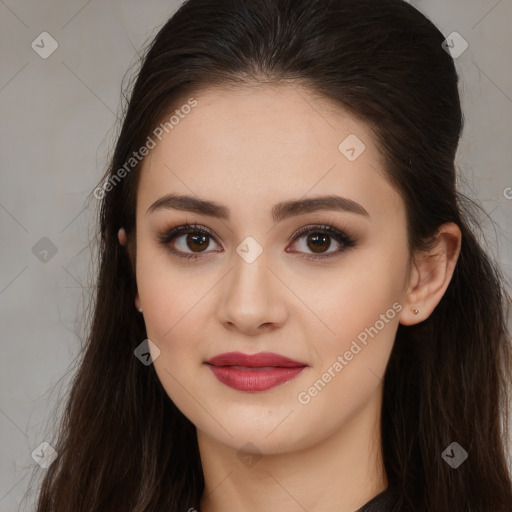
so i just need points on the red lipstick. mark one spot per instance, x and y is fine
(254, 372)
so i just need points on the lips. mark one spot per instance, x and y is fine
(254, 372)
(260, 360)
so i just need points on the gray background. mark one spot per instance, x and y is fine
(58, 126)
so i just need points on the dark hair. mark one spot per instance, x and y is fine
(122, 443)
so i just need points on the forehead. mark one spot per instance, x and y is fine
(250, 146)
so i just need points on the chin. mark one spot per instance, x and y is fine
(262, 439)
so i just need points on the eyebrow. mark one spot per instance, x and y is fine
(280, 211)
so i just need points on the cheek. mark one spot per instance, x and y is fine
(364, 322)
(168, 291)
(355, 299)
(174, 319)
(361, 306)
(350, 364)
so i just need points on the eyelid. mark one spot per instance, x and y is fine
(317, 226)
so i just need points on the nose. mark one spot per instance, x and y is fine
(253, 299)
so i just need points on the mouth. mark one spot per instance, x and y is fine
(256, 372)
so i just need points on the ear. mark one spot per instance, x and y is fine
(431, 274)
(123, 239)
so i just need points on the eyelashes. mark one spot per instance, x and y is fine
(203, 235)
(166, 238)
(343, 239)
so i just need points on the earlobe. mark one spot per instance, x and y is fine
(137, 302)
(121, 235)
(433, 271)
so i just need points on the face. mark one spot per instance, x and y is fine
(247, 278)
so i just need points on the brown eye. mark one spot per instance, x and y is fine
(187, 241)
(197, 242)
(318, 242)
(314, 241)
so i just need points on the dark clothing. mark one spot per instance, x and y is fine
(386, 501)
(383, 502)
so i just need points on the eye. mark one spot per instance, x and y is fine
(319, 240)
(197, 239)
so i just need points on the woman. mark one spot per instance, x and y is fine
(315, 327)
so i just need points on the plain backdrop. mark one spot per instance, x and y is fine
(58, 124)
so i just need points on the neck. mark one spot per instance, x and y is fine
(340, 473)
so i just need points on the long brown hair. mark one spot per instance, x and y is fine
(122, 444)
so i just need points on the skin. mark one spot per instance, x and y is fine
(248, 149)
